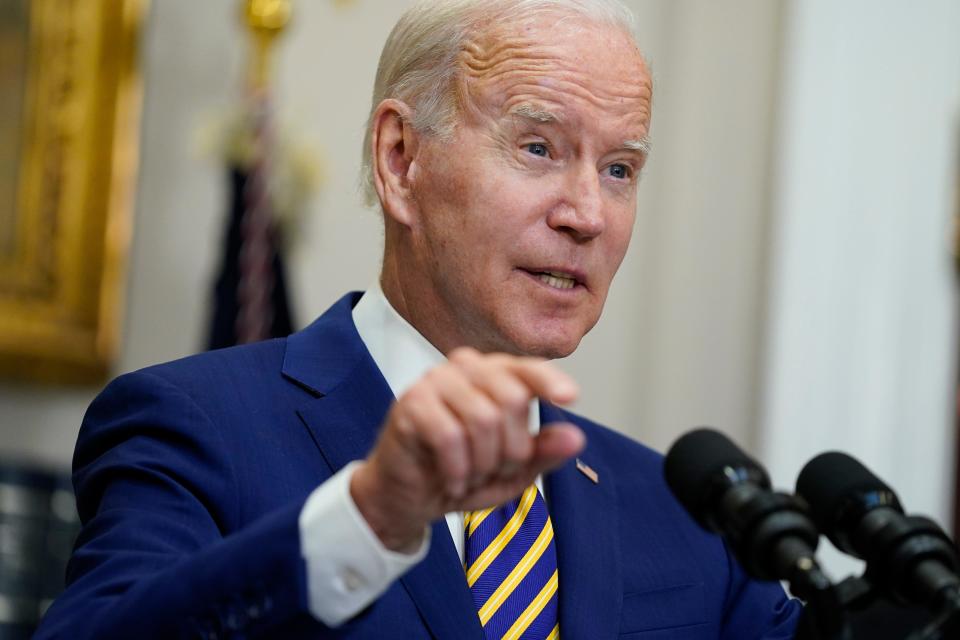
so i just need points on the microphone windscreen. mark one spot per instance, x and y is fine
(695, 461)
(831, 482)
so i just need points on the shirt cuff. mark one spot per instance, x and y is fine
(347, 565)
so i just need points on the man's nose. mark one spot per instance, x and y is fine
(579, 213)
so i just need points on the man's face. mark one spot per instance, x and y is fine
(525, 213)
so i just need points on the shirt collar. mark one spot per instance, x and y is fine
(401, 352)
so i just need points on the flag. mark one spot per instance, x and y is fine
(250, 295)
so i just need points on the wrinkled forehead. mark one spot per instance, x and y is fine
(549, 57)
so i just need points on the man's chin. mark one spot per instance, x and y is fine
(550, 347)
(533, 335)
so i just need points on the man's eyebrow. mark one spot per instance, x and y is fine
(643, 145)
(532, 112)
(541, 115)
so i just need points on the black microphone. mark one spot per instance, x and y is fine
(728, 492)
(909, 558)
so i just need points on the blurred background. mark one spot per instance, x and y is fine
(791, 279)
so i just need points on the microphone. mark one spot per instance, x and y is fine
(728, 492)
(909, 558)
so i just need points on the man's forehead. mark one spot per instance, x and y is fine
(508, 67)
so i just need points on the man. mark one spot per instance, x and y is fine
(280, 490)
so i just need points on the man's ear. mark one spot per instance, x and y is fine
(395, 144)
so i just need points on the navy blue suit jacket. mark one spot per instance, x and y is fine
(190, 477)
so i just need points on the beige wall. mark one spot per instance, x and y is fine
(679, 344)
(679, 341)
(862, 326)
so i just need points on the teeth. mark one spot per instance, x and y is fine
(557, 281)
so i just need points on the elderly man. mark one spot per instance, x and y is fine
(279, 490)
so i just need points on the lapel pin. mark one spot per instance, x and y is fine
(586, 470)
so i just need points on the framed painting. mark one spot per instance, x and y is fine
(69, 117)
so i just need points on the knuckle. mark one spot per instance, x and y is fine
(485, 417)
(434, 377)
(514, 397)
(462, 355)
(503, 359)
(454, 471)
(447, 439)
(403, 424)
(519, 450)
(412, 411)
(411, 408)
(443, 378)
(416, 394)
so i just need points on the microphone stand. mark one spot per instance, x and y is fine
(946, 625)
(824, 617)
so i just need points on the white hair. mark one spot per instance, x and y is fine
(418, 64)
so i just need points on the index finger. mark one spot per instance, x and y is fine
(544, 379)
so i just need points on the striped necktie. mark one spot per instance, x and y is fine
(511, 565)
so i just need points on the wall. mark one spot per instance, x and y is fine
(681, 337)
(678, 344)
(862, 353)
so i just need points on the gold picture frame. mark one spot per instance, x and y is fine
(65, 222)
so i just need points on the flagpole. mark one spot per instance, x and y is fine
(266, 20)
(251, 297)
(956, 398)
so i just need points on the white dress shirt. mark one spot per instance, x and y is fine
(347, 565)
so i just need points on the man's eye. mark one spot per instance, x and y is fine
(619, 171)
(538, 149)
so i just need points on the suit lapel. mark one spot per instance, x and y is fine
(349, 396)
(586, 523)
(350, 400)
(345, 422)
(439, 587)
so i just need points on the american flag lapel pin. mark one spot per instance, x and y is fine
(586, 470)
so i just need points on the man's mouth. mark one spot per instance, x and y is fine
(555, 279)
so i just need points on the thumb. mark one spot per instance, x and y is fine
(555, 445)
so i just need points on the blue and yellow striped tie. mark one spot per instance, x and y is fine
(511, 564)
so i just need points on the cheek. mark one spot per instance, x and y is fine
(623, 232)
(498, 211)
(618, 238)
(519, 205)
